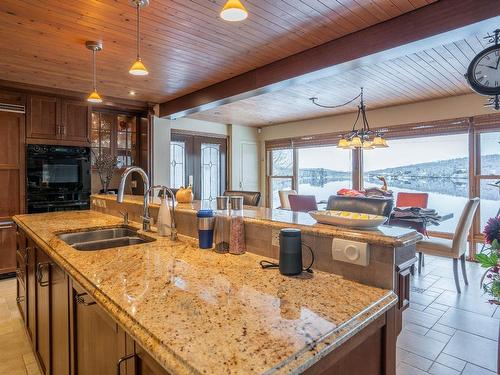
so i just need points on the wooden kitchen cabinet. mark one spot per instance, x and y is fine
(75, 121)
(97, 343)
(42, 306)
(57, 119)
(51, 315)
(138, 362)
(30, 288)
(44, 117)
(7, 247)
(402, 290)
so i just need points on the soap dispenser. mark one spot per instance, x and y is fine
(164, 221)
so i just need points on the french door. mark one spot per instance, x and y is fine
(200, 161)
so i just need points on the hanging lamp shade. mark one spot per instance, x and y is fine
(138, 68)
(379, 142)
(234, 11)
(343, 143)
(94, 97)
(367, 145)
(356, 142)
(95, 47)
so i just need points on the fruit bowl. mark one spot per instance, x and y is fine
(348, 219)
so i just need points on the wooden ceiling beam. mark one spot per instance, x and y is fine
(437, 23)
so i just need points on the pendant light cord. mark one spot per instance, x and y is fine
(138, 30)
(336, 106)
(93, 70)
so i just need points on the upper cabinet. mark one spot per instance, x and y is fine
(56, 119)
(116, 134)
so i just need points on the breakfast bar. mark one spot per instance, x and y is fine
(192, 311)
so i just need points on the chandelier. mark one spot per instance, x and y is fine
(363, 137)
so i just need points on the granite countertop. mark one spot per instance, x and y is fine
(384, 235)
(199, 312)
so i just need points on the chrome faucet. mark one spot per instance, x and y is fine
(173, 229)
(146, 219)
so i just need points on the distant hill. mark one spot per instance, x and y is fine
(443, 176)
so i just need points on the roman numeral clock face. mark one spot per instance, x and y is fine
(484, 72)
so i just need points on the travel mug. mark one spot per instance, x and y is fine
(206, 222)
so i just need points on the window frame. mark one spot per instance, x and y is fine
(473, 126)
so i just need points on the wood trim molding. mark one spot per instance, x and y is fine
(198, 134)
(110, 103)
(439, 22)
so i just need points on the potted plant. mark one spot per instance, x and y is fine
(489, 258)
(106, 166)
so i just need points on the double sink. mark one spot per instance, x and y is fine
(101, 239)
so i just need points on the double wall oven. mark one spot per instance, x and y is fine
(58, 178)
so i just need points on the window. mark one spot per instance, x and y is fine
(487, 176)
(115, 134)
(281, 173)
(323, 176)
(210, 171)
(437, 165)
(177, 164)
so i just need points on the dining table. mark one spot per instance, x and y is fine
(420, 225)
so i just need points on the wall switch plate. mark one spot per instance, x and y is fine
(351, 252)
(275, 237)
(133, 184)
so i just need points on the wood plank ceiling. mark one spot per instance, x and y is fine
(186, 46)
(431, 73)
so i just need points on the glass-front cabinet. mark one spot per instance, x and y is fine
(115, 134)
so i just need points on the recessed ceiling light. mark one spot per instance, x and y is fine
(132, 92)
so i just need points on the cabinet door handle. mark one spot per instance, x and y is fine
(19, 299)
(81, 301)
(121, 360)
(63, 127)
(39, 274)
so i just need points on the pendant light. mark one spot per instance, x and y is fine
(138, 68)
(234, 11)
(358, 138)
(94, 96)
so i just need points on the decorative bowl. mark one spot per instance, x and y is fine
(348, 219)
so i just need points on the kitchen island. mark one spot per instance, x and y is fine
(193, 311)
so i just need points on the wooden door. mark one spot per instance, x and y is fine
(145, 364)
(42, 313)
(31, 290)
(201, 161)
(44, 117)
(96, 341)
(7, 247)
(59, 321)
(75, 121)
(12, 134)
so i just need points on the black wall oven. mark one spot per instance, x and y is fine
(58, 178)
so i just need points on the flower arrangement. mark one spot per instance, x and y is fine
(106, 165)
(489, 258)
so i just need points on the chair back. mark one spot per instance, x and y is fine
(250, 198)
(412, 200)
(459, 244)
(303, 203)
(284, 201)
(362, 205)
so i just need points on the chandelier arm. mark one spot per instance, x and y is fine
(313, 100)
(355, 122)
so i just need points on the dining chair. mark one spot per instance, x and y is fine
(454, 248)
(303, 203)
(284, 201)
(412, 200)
(250, 198)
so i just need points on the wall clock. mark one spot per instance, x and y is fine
(483, 74)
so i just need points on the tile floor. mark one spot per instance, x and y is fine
(443, 333)
(16, 356)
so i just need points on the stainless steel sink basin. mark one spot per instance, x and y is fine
(101, 239)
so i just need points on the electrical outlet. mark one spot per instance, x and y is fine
(275, 237)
